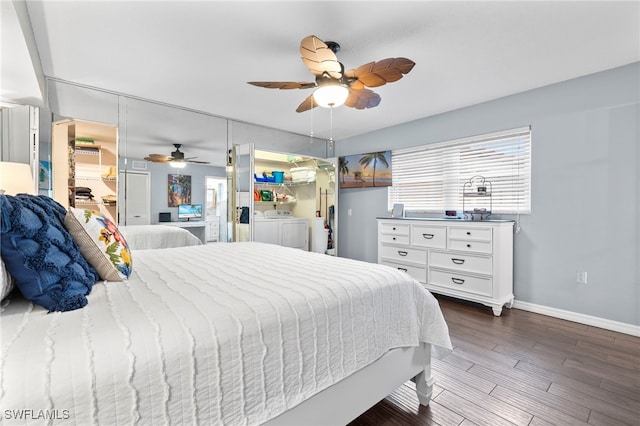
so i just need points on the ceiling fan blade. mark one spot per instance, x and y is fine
(157, 158)
(317, 56)
(362, 98)
(197, 162)
(283, 85)
(379, 73)
(307, 104)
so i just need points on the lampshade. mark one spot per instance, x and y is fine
(178, 164)
(331, 95)
(16, 178)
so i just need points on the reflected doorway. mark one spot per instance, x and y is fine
(216, 206)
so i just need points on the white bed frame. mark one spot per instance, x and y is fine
(352, 396)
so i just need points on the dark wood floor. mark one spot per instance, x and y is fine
(522, 369)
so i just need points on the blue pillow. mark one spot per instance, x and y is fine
(41, 255)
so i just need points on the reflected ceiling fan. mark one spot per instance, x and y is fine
(334, 86)
(177, 158)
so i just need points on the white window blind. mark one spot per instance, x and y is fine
(430, 177)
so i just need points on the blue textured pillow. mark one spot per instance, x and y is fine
(41, 255)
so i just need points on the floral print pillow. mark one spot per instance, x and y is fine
(100, 242)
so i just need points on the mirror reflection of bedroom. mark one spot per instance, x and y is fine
(285, 199)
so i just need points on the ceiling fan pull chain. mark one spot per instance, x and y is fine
(331, 130)
(311, 113)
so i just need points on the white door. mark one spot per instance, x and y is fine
(137, 204)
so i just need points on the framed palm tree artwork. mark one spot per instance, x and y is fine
(365, 170)
(179, 190)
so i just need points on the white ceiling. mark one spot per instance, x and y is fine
(200, 54)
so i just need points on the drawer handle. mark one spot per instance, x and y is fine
(402, 253)
(403, 269)
(428, 236)
(394, 228)
(394, 238)
(458, 281)
(457, 261)
(468, 233)
(468, 245)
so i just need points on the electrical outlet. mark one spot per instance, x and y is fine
(581, 277)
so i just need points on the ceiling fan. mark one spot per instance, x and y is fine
(176, 157)
(334, 86)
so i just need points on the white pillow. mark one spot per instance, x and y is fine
(6, 283)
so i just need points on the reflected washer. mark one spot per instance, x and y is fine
(282, 228)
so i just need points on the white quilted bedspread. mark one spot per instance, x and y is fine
(145, 237)
(214, 334)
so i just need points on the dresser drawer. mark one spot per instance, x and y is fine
(471, 246)
(394, 239)
(461, 282)
(397, 229)
(402, 254)
(461, 262)
(420, 274)
(429, 236)
(475, 234)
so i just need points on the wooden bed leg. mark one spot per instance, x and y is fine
(424, 387)
(424, 381)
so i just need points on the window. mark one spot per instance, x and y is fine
(430, 177)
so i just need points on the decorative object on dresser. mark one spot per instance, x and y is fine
(469, 260)
(398, 210)
(477, 201)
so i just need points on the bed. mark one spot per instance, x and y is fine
(145, 237)
(231, 333)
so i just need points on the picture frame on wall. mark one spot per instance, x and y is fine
(368, 170)
(45, 178)
(178, 190)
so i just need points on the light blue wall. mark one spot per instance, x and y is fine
(585, 190)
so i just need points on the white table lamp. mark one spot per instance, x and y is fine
(16, 178)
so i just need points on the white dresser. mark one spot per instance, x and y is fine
(463, 259)
(213, 228)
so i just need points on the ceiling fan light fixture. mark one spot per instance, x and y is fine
(178, 164)
(331, 95)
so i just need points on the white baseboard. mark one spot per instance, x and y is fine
(620, 327)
